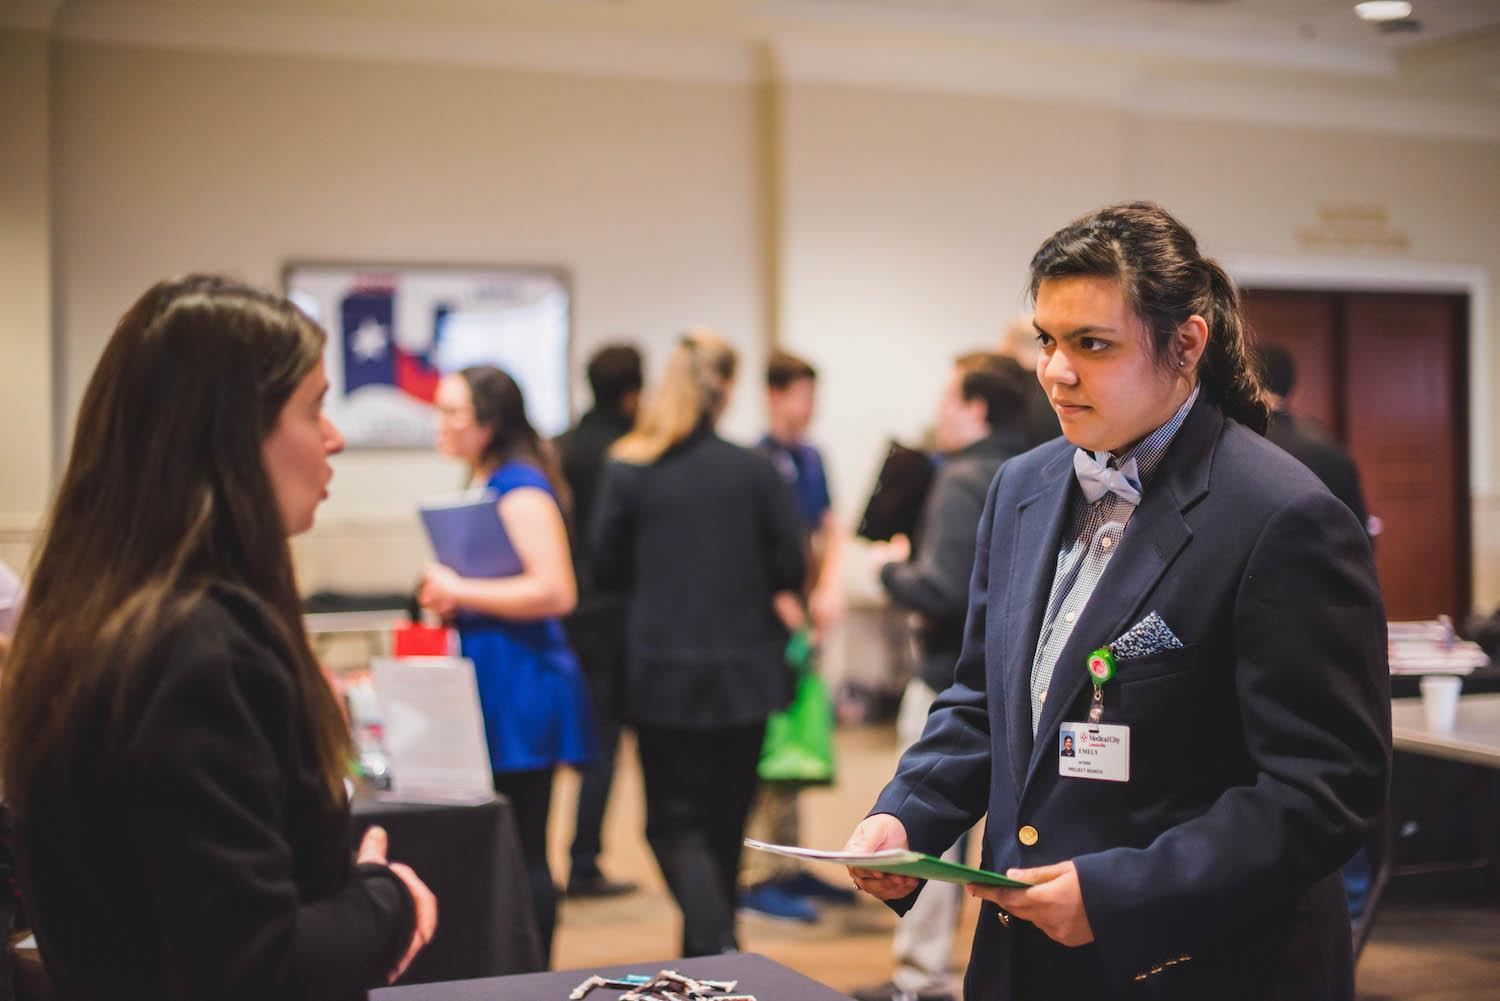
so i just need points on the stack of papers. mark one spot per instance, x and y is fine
(896, 861)
(1431, 648)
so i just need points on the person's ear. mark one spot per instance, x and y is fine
(1189, 343)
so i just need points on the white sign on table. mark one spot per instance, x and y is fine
(434, 730)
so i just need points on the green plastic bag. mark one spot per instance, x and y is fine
(799, 740)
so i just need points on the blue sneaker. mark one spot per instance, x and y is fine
(805, 884)
(771, 901)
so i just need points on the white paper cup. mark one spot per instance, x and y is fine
(1440, 701)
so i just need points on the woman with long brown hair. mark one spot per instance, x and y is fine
(531, 690)
(171, 750)
(703, 535)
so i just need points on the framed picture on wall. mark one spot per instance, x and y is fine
(395, 330)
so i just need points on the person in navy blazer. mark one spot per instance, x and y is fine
(1257, 704)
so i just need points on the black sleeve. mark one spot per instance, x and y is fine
(612, 533)
(204, 794)
(936, 583)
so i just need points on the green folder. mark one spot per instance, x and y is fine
(897, 861)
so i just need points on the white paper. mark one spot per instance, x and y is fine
(842, 858)
(434, 730)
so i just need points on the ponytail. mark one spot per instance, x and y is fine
(1226, 370)
(692, 391)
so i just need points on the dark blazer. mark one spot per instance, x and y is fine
(1259, 751)
(701, 539)
(583, 451)
(1312, 446)
(202, 859)
(935, 583)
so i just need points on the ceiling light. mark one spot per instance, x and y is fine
(1382, 10)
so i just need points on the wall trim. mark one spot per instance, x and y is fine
(1359, 275)
(1008, 65)
(402, 39)
(1130, 85)
(29, 15)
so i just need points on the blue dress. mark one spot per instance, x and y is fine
(531, 691)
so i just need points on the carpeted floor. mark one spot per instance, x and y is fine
(1426, 946)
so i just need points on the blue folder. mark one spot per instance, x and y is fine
(468, 538)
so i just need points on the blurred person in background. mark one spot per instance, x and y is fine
(1019, 343)
(174, 755)
(775, 886)
(706, 539)
(980, 418)
(531, 691)
(1304, 440)
(596, 629)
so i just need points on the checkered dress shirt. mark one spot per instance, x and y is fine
(1091, 538)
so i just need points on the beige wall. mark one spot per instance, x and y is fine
(25, 291)
(646, 192)
(903, 220)
(909, 220)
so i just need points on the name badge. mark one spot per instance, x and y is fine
(1094, 751)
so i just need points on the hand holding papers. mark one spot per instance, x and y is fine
(896, 861)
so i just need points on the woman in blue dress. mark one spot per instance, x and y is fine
(536, 712)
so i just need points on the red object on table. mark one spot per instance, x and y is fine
(424, 641)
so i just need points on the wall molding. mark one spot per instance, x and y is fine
(29, 15)
(1137, 79)
(1361, 275)
(403, 39)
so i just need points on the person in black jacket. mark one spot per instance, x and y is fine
(1303, 440)
(1161, 578)
(706, 539)
(596, 629)
(981, 424)
(174, 755)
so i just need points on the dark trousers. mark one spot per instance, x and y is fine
(699, 787)
(530, 795)
(597, 635)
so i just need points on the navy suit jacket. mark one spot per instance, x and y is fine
(1260, 750)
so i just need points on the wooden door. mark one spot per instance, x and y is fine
(1405, 398)
(1384, 373)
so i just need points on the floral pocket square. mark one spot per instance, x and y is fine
(1144, 639)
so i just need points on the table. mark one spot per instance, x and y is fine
(1481, 679)
(757, 975)
(470, 857)
(1474, 740)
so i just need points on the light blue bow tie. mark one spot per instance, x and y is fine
(1098, 478)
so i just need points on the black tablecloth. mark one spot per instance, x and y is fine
(1483, 680)
(470, 857)
(757, 975)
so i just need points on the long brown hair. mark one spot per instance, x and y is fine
(1165, 280)
(165, 495)
(500, 408)
(692, 391)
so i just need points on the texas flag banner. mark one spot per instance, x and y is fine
(393, 334)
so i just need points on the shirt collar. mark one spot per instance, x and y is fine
(1149, 451)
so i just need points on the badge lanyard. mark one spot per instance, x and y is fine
(1101, 667)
